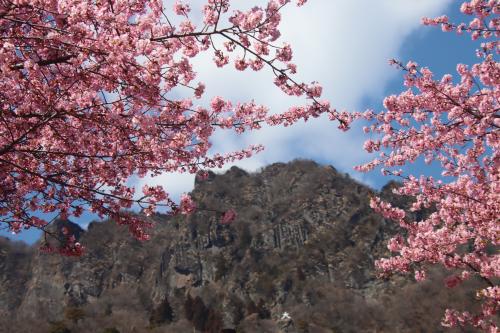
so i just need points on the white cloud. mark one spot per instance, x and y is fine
(343, 44)
(174, 183)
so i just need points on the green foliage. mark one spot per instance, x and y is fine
(163, 313)
(203, 319)
(196, 312)
(189, 307)
(262, 310)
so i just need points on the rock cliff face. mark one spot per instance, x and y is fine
(304, 242)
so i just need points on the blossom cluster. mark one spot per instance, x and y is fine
(88, 99)
(453, 123)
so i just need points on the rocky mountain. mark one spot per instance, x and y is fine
(304, 242)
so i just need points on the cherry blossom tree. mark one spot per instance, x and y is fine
(90, 96)
(452, 122)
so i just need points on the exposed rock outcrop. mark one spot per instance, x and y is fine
(304, 242)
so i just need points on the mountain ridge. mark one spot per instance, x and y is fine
(304, 242)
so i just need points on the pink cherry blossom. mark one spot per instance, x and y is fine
(95, 92)
(228, 217)
(187, 205)
(452, 122)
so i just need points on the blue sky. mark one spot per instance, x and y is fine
(345, 45)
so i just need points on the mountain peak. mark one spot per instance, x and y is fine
(304, 242)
